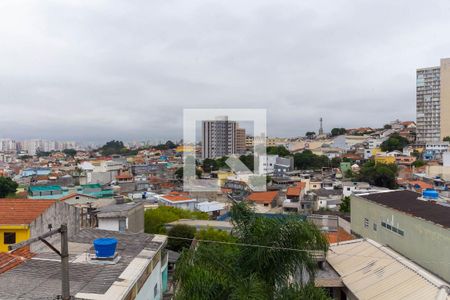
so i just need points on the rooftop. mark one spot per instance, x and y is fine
(177, 197)
(45, 188)
(22, 211)
(372, 271)
(263, 197)
(117, 208)
(40, 277)
(407, 202)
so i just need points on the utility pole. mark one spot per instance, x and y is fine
(64, 254)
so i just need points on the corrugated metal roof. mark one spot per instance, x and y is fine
(372, 271)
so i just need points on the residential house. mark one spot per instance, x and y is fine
(283, 165)
(178, 199)
(365, 269)
(46, 192)
(264, 201)
(267, 164)
(21, 219)
(418, 229)
(294, 195)
(326, 199)
(127, 217)
(137, 271)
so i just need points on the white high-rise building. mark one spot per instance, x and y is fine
(218, 138)
(8, 145)
(433, 102)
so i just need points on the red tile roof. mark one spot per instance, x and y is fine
(124, 176)
(295, 191)
(263, 197)
(340, 236)
(422, 185)
(177, 196)
(13, 259)
(22, 211)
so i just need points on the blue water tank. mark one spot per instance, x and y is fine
(430, 194)
(105, 247)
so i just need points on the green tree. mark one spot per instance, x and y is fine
(310, 134)
(382, 175)
(338, 131)
(345, 205)
(387, 126)
(297, 292)
(248, 161)
(221, 162)
(43, 153)
(349, 173)
(180, 172)
(308, 160)
(70, 152)
(446, 139)
(180, 237)
(278, 150)
(113, 147)
(170, 144)
(209, 165)
(155, 219)
(394, 142)
(418, 163)
(258, 266)
(335, 162)
(7, 186)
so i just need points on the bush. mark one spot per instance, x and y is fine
(156, 218)
(182, 231)
(7, 186)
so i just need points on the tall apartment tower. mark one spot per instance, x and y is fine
(218, 138)
(433, 102)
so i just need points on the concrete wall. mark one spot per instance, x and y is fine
(147, 292)
(135, 221)
(108, 224)
(56, 215)
(423, 242)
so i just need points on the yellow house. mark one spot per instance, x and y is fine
(222, 177)
(16, 215)
(385, 159)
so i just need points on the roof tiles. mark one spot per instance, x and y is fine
(22, 211)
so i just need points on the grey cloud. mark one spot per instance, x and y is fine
(96, 70)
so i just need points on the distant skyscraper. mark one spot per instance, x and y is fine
(218, 138)
(433, 102)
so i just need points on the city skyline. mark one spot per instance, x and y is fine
(132, 81)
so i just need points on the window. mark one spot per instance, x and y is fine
(155, 290)
(366, 223)
(122, 225)
(9, 238)
(375, 226)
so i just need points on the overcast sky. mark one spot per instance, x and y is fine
(96, 70)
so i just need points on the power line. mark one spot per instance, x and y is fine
(388, 257)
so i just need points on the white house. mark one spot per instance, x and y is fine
(179, 200)
(128, 217)
(267, 164)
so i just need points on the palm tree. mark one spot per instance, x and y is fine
(257, 262)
